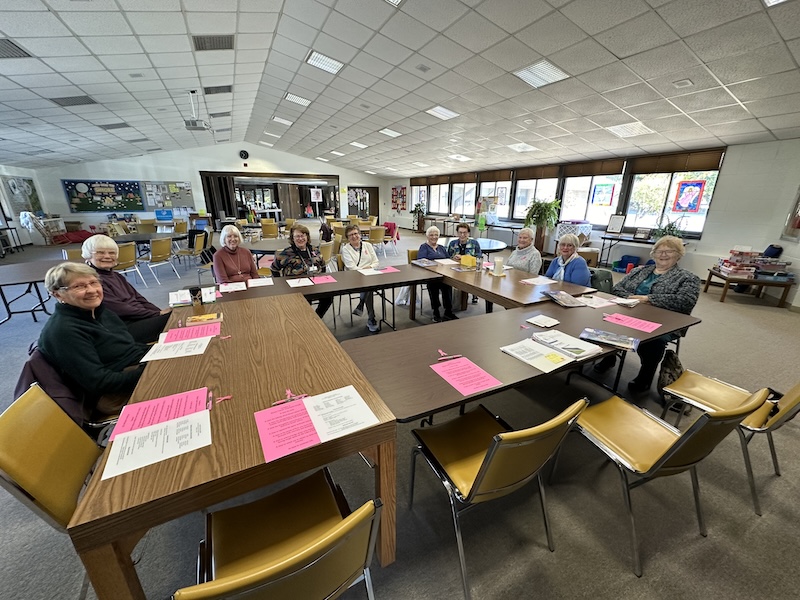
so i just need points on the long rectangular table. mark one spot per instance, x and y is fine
(29, 274)
(411, 389)
(114, 514)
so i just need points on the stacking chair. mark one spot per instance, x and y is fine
(45, 458)
(301, 542)
(713, 395)
(146, 228)
(364, 223)
(289, 223)
(126, 261)
(181, 227)
(72, 254)
(479, 458)
(376, 235)
(160, 255)
(354, 219)
(269, 231)
(339, 230)
(266, 220)
(326, 252)
(199, 246)
(373, 221)
(337, 244)
(644, 447)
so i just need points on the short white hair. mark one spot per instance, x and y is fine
(98, 242)
(528, 231)
(432, 229)
(230, 230)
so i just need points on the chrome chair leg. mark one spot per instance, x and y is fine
(774, 454)
(749, 468)
(696, 489)
(543, 502)
(626, 493)
(368, 583)
(460, 545)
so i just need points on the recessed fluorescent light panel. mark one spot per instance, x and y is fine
(459, 157)
(322, 159)
(297, 99)
(335, 153)
(326, 63)
(389, 132)
(282, 121)
(541, 74)
(267, 144)
(394, 2)
(630, 129)
(420, 164)
(358, 145)
(371, 172)
(390, 169)
(767, 2)
(523, 147)
(275, 135)
(442, 113)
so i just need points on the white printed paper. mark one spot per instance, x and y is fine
(370, 272)
(208, 294)
(260, 282)
(543, 321)
(339, 412)
(238, 286)
(177, 349)
(447, 261)
(150, 445)
(537, 355)
(594, 301)
(540, 280)
(180, 298)
(301, 282)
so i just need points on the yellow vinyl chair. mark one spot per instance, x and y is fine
(160, 255)
(479, 458)
(289, 223)
(326, 252)
(266, 220)
(269, 231)
(181, 227)
(373, 221)
(145, 228)
(45, 457)
(337, 244)
(72, 254)
(199, 245)
(126, 261)
(376, 235)
(301, 542)
(712, 395)
(643, 447)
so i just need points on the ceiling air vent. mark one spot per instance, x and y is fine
(73, 101)
(9, 49)
(138, 140)
(218, 89)
(212, 42)
(38, 152)
(114, 126)
(219, 115)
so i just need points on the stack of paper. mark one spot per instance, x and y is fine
(180, 298)
(543, 358)
(571, 346)
(629, 302)
(543, 321)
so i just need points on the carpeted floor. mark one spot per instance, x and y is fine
(746, 341)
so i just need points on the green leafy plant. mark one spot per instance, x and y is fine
(418, 214)
(543, 216)
(668, 228)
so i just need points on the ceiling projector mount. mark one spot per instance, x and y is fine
(196, 124)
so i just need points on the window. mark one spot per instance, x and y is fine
(438, 201)
(419, 195)
(529, 190)
(502, 191)
(463, 202)
(658, 198)
(590, 198)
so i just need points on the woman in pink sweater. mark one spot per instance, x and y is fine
(233, 263)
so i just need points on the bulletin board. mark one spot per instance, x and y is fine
(103, 196)
(167, 194)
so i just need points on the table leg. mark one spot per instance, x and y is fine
(489, 306)
(708, 282)
(412, 303)
(785, 294)
(725, 290)
(112, 573)
(386, 489)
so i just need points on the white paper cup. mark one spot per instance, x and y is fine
(498, 265)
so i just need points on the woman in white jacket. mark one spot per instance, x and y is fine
(357, 254)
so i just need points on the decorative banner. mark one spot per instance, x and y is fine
(603, 194)
(22, 195)
(89, 196)
(689, 195)
(399, 198)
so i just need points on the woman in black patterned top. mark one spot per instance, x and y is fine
(301, 259)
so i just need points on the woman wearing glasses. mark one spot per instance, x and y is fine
(665, 285)
(88, 344)
(143, 318)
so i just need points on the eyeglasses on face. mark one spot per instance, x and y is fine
(353, 234)
(81, 288)
(663, 252)
(111, 253)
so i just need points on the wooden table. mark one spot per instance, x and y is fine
(412, 390)
(114, 514)
(758, 283)
(30, 274)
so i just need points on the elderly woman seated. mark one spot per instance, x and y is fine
(143, 318)
(569, 266)
(88, 344)
(525, 256)
(232, 263)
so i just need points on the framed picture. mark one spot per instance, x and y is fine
(615, 224)
(688, 196)
(642, 233)
(602, 194)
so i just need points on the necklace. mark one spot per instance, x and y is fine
(238, 264)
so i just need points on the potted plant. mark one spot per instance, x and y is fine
(670, 228)
(543, 216)
(418, 216)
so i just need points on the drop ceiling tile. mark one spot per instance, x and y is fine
(557, 114)
(551, 132)
(439, 15)
(661, 61)
(534, 100)
(593, 16)
(33, 24)
(215, 57)
(787, 19)
(371, 14)
(24, 66)
(699, 76)
(513, 15)
(475, 32)
(222, 23)
(787, 134)
(652, 110)
(297, 31)
(249, 69)
(482, 96)
(445, 52)
(782, 121)
(460, 105)
(253, 41)
(724, 114)
(645, 32)
(290, 48)
(670, 123)
(407, 31)
(478, 70)
(551, 34)
(357, 76)
(578, 125)
(153, 23)
(767, 87)
(632, 95)
(734, 38)
(747, 138)
(511, 54)
(330, 46)
(309, 11)
(454, 83)
(404, 79)
(567, 89)
(18, 94)
(774, 106)
(434, 93)
(262, 23)
(167, 59)
(89, 23)
(615, 75)
(757, 63)
(38, 81)
(416, 65)
(508, 110)
(134, 5)
(590, 105)
(371, 64)
(582, 57)
(126, 44)
(687, 17)
(746, 126)
(703, 100)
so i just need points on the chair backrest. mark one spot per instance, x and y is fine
(323, 568)
(199, 243)
(290, 222)
(338, 230)
(269, 230)
(240, 223)
(127, 256)
(337, 243)
(364, 223)
(181, 226)
(412, 255)
(601, 280)
(146, 228)
(147, 221)
(515, 457)
(267, 220)
(354, 219)
(37, 370)
(699, 440)
(339, 262)
(376, 235)
(45, 475)
(73, 254)
(160, 249)
(373, 221)
(326, 251)
(117, 229)
(767, 418)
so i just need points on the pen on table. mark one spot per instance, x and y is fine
(450, 357)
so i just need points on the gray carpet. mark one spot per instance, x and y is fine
(745, 341)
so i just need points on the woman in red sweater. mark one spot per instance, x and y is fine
(233, 263)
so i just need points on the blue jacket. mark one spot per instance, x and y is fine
(425, 251)
(575, 272)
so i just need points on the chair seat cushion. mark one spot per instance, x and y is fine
(706, 393)
(636, 438)
(460, 445)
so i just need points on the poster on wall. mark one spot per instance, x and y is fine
(602, 194)
(22, 195)
(688, 196)
(399, 198)
(167, 194)
(91, 196)
(316, 195)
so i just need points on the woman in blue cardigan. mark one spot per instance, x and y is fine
(569, 266)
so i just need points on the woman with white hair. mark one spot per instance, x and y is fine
(569, 266)
(525, 256)
(433, 251)
(233, 263)
(143, 318)
(665, 285)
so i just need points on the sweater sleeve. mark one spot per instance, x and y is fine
(349, 257)
(121, 297)
(551, 270)
(679, 293)
(578, 272)
(220, 268)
